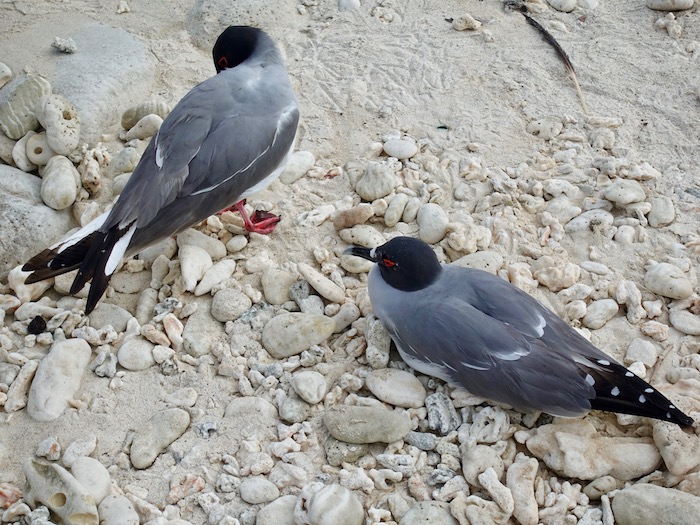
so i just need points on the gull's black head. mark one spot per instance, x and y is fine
(405, 263)
(235, 45)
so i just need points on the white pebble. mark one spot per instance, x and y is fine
(400, 148)
(310, 386)
(599, 313)
(156, 434)
(145, 128)
(298, 165)
(38, 150)
(624, 191)
(322, 284)
(662, 211)
(60, 184)
(641, 350)
(684, 321)
(256, 490)
(290, 334)
(565, 6)
(136, 354)
(229, 304)
(669, 5)
(396, 387)
(116, 509)
(335, 504)
(194, 263)
(668, 280)
(214, 247)
(362, 235)
(377, 182)
(432, 222)
(19, 153)
(590, 220)
(60, 120)
(93, 476)
(218, 273)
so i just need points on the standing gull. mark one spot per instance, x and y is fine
(228, 138)
(474, 329)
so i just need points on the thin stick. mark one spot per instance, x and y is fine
(557, 47)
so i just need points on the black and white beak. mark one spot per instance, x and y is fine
(359, 251)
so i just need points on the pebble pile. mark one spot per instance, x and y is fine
(280, 399)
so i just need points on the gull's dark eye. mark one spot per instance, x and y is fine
(388, 262)
(222, 62)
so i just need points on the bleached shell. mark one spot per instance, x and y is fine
(194, 263)
(310, 386)
(38, 150)
(378, 181)
(322, 284)
(432, 223)
(145, 128)
(58, 378)
(135, 113)
(61, 183)
(19, 153)
(60, 120)
(17, 114)
(5, 74)
(668, 280)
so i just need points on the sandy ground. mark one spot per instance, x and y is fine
(394, 65)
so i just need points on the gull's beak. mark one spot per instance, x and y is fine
(359, 251)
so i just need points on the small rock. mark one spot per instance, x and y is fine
(279, 512)
(544, 128)
(93, 476)
(641, 350)
(684, 321)
(339, 452)
(598, 313)
(362, 235)
(136, 354)
(359, 424)
(156, 434)
(565, 6)
(432, 223)
(202, 332)
(229, 304)
(58, 379)
(215, 275)
(645, 503)
(256, 490)
(396, 387)
(477, 459)
(348, 314)
(194, 263)
(377, 182)
(624, 191)
(422, 440)
(400, 148)
(294, 410)
(662, 211)
(337, 505)
(429, 513)
(116, 509)
(352, 217)
(276, 284)
(322, 284)
(484, 260)
(668, 280)
(442, 415)
(214, 247)
(669, 5)
(297, 166)
(310, 386)
(290, 334)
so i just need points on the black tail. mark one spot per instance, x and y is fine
(54, 261)
(619, 390)
(90, 254)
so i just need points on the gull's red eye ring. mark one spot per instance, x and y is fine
(388, 262)
(222, 62)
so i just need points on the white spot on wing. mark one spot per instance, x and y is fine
(83, 232)
(603, 362)
(539, 329)
(615, 392)
(672, 407)
(426, 367)
(590, 380)
(474, 367)
(119, 250)
(629, 374)
(642, 399)
(649, 390)
(516, 354)
(373, 253)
